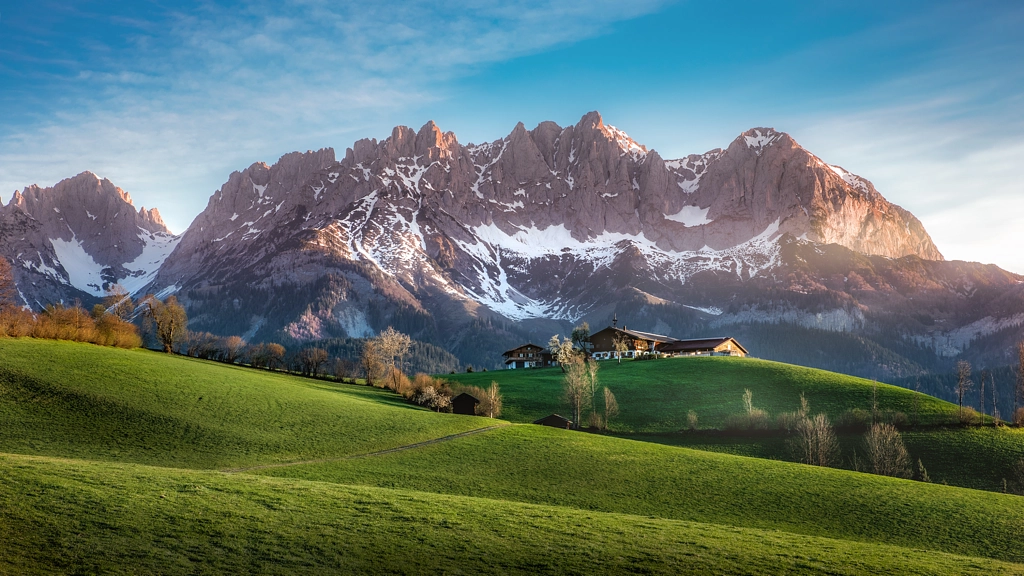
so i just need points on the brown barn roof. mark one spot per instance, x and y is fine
(466, 396)
(698, 344)
(555, 421)
(507, 352)
(638, 334)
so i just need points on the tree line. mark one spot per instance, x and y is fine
(106, 324)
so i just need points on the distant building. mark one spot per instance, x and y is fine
(527, 356)
(555, 421)
(464, 404)
(639, 343)
(721, 346)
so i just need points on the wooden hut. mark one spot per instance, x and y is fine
(527, 356)
(464, 404)
(555, 421)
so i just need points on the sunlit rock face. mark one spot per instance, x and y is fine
(78, 238)
(478, 247)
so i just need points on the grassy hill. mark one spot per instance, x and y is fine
(70, 516)
(655, 395)
(83, 401)
(79, 420)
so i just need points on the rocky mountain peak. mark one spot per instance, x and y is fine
(82, 235)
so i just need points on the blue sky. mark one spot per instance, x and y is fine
(925, 99)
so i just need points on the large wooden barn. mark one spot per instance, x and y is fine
(638, 343)
(527, 356)
(722, 346)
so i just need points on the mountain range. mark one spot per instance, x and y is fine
(478, 248)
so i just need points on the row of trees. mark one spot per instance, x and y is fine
(60, 322)
(965, 383)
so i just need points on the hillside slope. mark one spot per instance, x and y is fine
(112, 518)
(656, 395)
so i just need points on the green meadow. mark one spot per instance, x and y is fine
(656, 395)
(120, 461)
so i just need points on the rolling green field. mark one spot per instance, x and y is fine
(655, 395)
(70, 516)
(135, 462)
(980, 458)
(81, 401)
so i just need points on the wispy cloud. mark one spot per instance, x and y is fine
(185, 95)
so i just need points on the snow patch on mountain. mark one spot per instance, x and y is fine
(82, 271)
(951, 344)
(850, 178)
(141, 271)
(759, 141)
(625, 143)
(691, 216)
(496, 250)
(835, 320)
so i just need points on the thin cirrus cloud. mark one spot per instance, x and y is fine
(165, 101)
(925, 97)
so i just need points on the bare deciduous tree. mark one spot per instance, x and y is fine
(119, 302)
(816, 441)
(372, 363)
(611, 407)
(963, 383)
(581, 337)
(231, 349)
(170, 320)
(562, 351)
(392, 346)
(886, 452)
(274, 356)
(493, 400)
(981, 393)
(312, 361)
(620, 342)
(579, 385)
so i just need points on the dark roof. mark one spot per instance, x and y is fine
(554, 420)
(640, 335)
(462, 398)
(507, 352)
(698, 344)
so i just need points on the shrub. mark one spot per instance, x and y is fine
(855, 419)
(969, 416)
(691, 420)
(897, 419)
(922, 474)
(756, 419)
(886, 452)
(788, 421)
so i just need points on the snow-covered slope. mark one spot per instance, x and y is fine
(79, 238)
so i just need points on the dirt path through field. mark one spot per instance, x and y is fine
(368, 454)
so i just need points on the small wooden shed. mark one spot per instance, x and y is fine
(555, 421)
(464, 404)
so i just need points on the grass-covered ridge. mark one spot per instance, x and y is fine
(79, 421)
(71, 516)
(542, 465)
(85, 401)
(655, 395)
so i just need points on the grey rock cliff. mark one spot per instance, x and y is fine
(80, 237)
